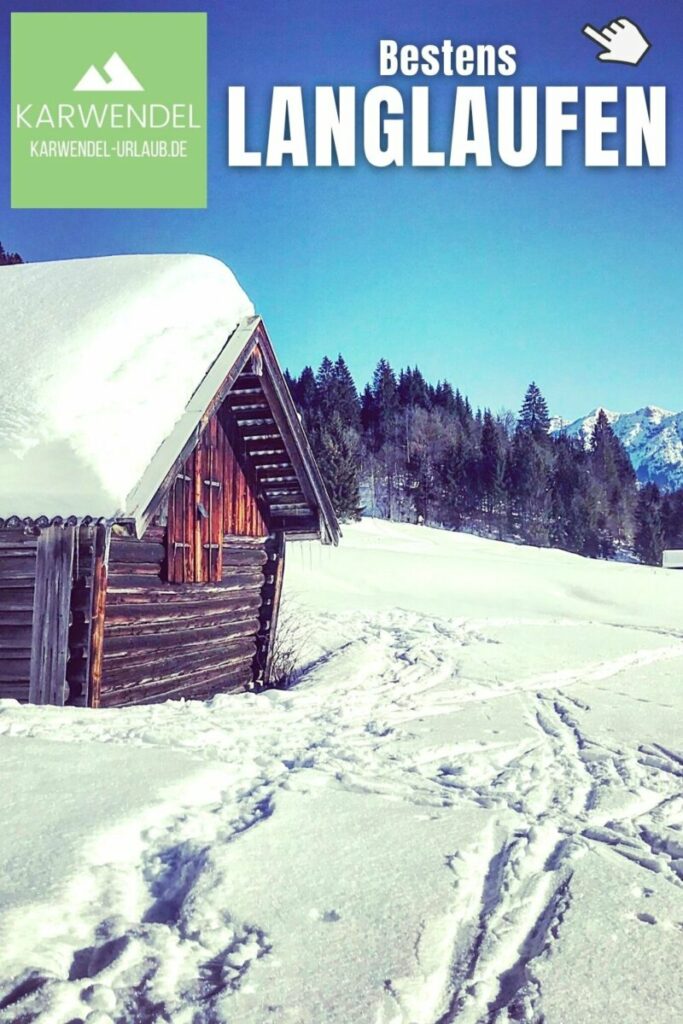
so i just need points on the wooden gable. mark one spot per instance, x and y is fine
(270, 483)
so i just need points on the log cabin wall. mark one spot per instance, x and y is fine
(166, 640)
(17, 584)
(41, 642)
(188, 606)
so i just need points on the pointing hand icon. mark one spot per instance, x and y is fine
(622, 40)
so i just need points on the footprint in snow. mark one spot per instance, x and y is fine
(326, 916)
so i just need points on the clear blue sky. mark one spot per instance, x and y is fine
(489, 277)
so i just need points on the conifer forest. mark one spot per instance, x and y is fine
(411, 451)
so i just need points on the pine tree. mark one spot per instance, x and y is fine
(491, 466)
(337, 451)
(305, 395)
(368, 411)
(572, 525)
(307, 388)
(609, 455)
(291, 383)
(324, 378)
(413, 389)
(648, 541)
(344, 395)
(672, 519)
(456, 473)
(533, 416)
(8, 258)
(385, 397)
(444, 397)
(527, 484)
(615, 481)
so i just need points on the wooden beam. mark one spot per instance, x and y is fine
(278, 574)
(99, 597)
(51, 613)
(294, 437)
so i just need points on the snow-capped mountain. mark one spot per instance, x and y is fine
(653, 437)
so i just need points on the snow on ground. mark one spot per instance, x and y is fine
(469, 809)
(95, 373)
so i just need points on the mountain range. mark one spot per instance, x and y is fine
(653, 438)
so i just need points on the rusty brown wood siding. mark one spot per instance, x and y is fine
(214, 494)
(17, 584)
(166, 640)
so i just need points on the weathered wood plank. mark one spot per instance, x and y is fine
(178, 638)
(174, 564)
(271, 459)
(244, 557)
(195, 519)
(15, 669)
(155, 534)
(23, 582)
(14, 637)
(148, 571)
(217, 502)
(192, 686)
(16, 601)
(228, 481)
(155, 626)
(93, 686)
(247, 398)
(14, 690)
(124, 616)
(18, 538)
(13, 560)
(52, 598)
(147, 671)
(279, 572)
(236, 541)
(125, 588)
(137, 552)
(17, 618)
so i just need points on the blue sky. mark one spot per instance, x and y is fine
(489, 277)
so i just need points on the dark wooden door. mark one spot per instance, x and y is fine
(196, 515)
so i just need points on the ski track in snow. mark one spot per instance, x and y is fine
(553, 796)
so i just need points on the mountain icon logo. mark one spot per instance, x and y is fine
(119, 78)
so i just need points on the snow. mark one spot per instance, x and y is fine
(100, 360)
(652, 436)
(469, 808)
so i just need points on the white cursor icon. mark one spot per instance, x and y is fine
(623, 41)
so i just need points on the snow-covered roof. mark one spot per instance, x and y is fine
(105, 363)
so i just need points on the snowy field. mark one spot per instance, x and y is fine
(469, 810)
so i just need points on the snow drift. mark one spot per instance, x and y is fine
(100, 359)
(469, 809)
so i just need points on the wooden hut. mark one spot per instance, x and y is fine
(146, 494)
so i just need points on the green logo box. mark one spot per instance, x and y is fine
(108, 110)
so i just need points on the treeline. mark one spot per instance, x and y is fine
(411, 451)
